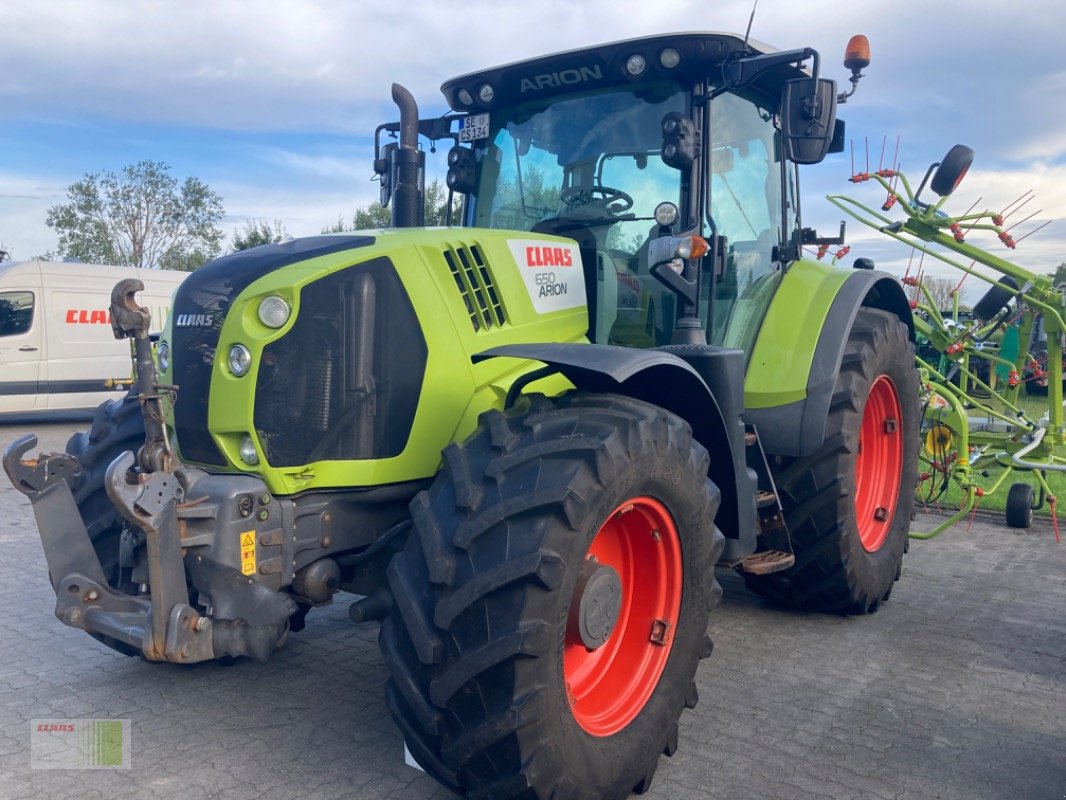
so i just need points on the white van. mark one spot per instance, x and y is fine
(56, 345)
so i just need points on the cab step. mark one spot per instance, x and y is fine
(765, 562)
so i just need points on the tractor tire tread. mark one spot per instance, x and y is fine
(487, 537)
(829, 575)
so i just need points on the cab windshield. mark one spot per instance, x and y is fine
(589, 167)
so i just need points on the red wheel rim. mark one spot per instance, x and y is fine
(608, 686)
(879, 464)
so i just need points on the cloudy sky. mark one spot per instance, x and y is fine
(273, 103)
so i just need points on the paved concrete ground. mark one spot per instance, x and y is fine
(956, 689)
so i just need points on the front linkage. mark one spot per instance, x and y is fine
(247, 617)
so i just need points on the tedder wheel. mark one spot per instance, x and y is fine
(952, 170)
(848, 506)
(996, 298)
(551, 603)
(1019, 511)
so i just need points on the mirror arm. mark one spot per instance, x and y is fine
(744, 70)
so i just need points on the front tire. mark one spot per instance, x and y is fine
(516, 670)
(117, 427)
(848, 506)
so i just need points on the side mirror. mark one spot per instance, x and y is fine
(384, 167)
(722, 160)
(808, 118)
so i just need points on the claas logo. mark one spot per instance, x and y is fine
(549, 257)
(84, 316)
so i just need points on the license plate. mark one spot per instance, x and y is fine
(474, 127)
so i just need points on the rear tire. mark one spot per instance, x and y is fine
(1019, 509)
(849, 515)
(492, 684)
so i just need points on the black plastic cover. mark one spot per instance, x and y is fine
(343, 383)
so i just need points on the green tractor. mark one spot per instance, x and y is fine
(526, 440)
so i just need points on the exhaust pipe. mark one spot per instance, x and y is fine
(409, 166)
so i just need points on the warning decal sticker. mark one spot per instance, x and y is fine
(248, 553)
(552, 273)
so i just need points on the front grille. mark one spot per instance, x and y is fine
(474, 281)
(200, 306)
(343, 383)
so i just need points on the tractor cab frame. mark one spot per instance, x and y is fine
(618, 145)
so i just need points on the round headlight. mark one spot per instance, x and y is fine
(465, 98)
(162, 354)
(247, 451)
(669, 58)
(240, 360)
(485, 93)
(666, 214)
(274, 311)
(635, 64)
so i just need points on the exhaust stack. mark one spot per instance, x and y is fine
(408, 165)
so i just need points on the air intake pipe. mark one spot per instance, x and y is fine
(408, 165)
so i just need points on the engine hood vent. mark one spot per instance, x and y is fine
(474, 280)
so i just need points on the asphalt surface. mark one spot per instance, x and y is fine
(955, 689)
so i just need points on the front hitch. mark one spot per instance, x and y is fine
(242, 617)
(162, 626)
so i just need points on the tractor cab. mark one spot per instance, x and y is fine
(619, 145)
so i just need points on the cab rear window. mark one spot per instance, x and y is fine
(16, 312)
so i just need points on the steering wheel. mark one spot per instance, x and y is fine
(581, 195)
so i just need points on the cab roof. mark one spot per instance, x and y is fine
(603, 66)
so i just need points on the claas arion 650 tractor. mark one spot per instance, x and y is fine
(525, 440)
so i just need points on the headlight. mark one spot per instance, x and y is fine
(635, 64)
(247, 451)
(162, 354)
(274, 311)
(669, 58)
(666, 214)
(240, 360)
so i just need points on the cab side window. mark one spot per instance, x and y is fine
(16, 312)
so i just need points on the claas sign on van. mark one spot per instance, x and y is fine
(57, 350)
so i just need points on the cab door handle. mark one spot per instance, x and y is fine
(28, 349)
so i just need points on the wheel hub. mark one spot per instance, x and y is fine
(596, 603)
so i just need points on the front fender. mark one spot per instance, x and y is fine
(708, 396)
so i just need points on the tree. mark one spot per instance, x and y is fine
(4, 254)
(436, 205)
(139, 217)
(257, 232)
(1058, 277)
(942, 290)
(375, 215)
